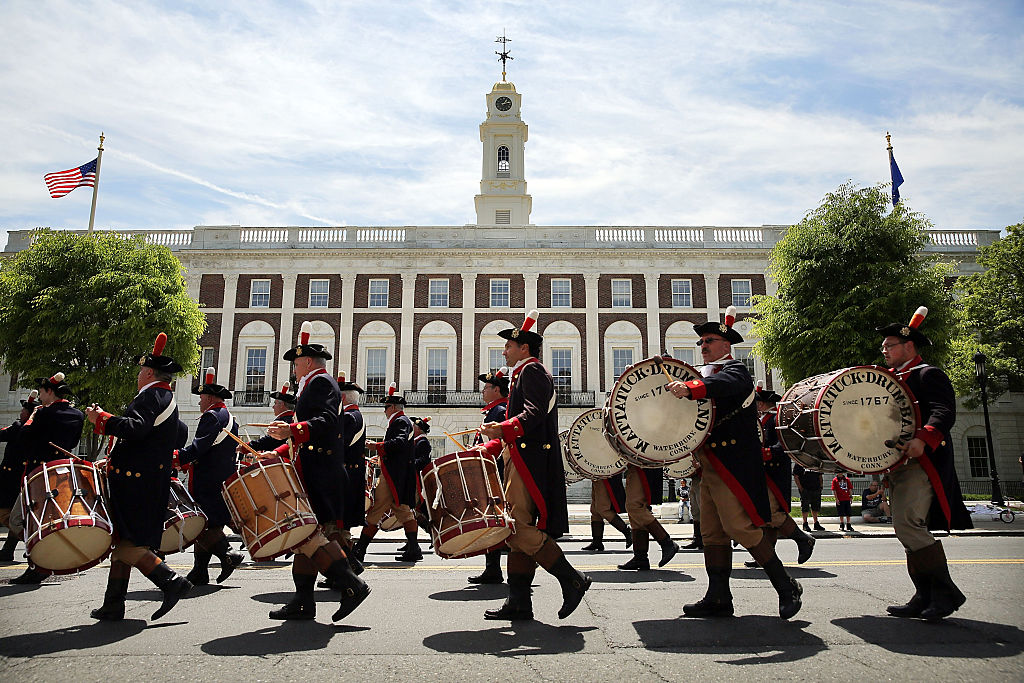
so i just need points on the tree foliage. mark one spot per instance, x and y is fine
(89, 306)
(849, 266)
(992, 303)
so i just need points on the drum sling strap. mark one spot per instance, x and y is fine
(223, 434)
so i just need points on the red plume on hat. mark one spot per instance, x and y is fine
(909, 331)
(501, 372)
(33, 395)
(341, 377)
(284, 389)
(918, 317)
(211, 375)
(730, 316)
(531, 320)
(392, 389)
(159, 344)
(304, 332)
(57, 378)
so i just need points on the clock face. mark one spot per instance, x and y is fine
(503, 103)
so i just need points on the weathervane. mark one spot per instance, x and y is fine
(503, 56)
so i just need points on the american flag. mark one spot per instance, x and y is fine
(62, 182)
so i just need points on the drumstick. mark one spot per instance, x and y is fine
(455, 441)
(242, 443)
(464, 431)
(67, 453)
(258, 424)
(668, 376)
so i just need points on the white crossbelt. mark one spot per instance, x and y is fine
(223, 435)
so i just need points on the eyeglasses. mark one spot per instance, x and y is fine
(702, 342)
(886, 347)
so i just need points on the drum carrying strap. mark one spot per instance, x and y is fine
(736, 411)
(358, 436)
(165, 413)
(223, 434)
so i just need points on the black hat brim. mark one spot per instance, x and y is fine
(314, 350)
(278, 396)
(521, 336)
(213, 390)
(350, 386)
(395, 400)
(29, 404)
(904, 332)
(711, 327)
(767, 397)
(488, 378)
(161, 363)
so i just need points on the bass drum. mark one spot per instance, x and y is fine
(588, 452)
(571, 477)
(682, 469)
(840, 421)
(648, 425)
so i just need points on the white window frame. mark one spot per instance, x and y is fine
(377, 350)
(561, 386)
(738, 297)
(495, 359)
(619, 351)
(687, 354)
(686, 300)
(370, 293)
(567, 294)
(253, 302)
(432, 368)
(622, 284)
(206, 357)
(437, 293)
(507, 294)
(326, 294)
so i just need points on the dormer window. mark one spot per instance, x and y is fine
(504, 168)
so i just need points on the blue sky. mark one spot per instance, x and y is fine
(667, 113)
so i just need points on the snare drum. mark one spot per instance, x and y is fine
(682, 469)
(67, 527)
(840, 421)
(269, 505)
(389, 522)
(570, 474)
(184, 520)
(588, 452)
(465, 504)
(648, 425)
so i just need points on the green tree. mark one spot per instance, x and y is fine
(89, 306)
(992, 303)
(849, 266)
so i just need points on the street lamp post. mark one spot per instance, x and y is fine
(979, 372)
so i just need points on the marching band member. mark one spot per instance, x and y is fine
(925, 492)
(779, 477)
(494, 392)
(10, 473)
(607, 501)
(396, 488)
(284, 411)
(139, 483)
(211, 456)
(53, 420)
(411, 551)
(534, 478)
(733, 492)
(643, 489)
(355, 465)
(319, 442)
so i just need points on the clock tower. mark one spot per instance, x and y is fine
(503, 199)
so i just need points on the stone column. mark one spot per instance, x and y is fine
(711, 291)
(285, 340)
(469, 340)
(593, 337)
(225, 353)
(346, 333)
(653, 315)
(406, 337)
(531, 292)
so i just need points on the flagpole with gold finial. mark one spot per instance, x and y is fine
(96, 185)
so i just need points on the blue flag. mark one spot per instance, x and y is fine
(897, 178)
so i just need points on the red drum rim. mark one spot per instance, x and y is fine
(57, 527)
(571, 459)
(87, 565)
(622, 445)
(835, 374)
(300, 521)
(256, 465)
(50, 464)
(483, 523)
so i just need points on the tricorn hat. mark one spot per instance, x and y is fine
(910, 330)
(498, 378)
(157, 361)
(765, 395)
(304, 348)
(345, 385)
(209, 386)
(56, 384)
(525, 333)
(723, 329)
(283, 395)
(32, 401)
(393, 397)
(423, 423)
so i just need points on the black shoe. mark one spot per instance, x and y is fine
(199, 576)
(228, 564)
(669, 548)
(751, 564)
(519, 605)
(353, 589)
(637, 563)
(508, 613)
(709, 607)
(806, 527)
(6, 556)
(488, 576)
(295, 610)
(804, 545)
(849, 527)
(788, 588)
(413, 554)
(112, 608)
(818, 527)
(30, 577)
(594, 547)
(574, 586)
(693, 545)
(353, 561)
(174, 588)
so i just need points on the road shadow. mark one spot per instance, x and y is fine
(83, 637)
(287, 637)
(750, 633)
(796, 571)
(15, 588)
(631, 576)
(515, 639)
(483, 591)
(324, 595)
(951, 637)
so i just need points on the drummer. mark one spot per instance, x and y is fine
(643, 489)
(494, 392)
(411, 552)
(139, 483)
(925, 491)
(733, 493)
(284, 411)
(10, 473)
(534, 478)
(607, 502)
(396, 487)
(54, 421)
(211, 460)
(320, 442)
(355, 465)
(778, 476)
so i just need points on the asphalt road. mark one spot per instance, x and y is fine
(423, 622)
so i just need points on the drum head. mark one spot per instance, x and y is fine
(681, 469)
(587, 450)
(646, 423)
(182, 532)
(571, 476)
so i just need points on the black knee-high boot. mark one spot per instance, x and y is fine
(492, 569)
(302, 606)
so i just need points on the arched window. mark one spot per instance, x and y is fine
(504, 168)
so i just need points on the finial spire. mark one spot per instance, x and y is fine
(888, 141)
(503, 55)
